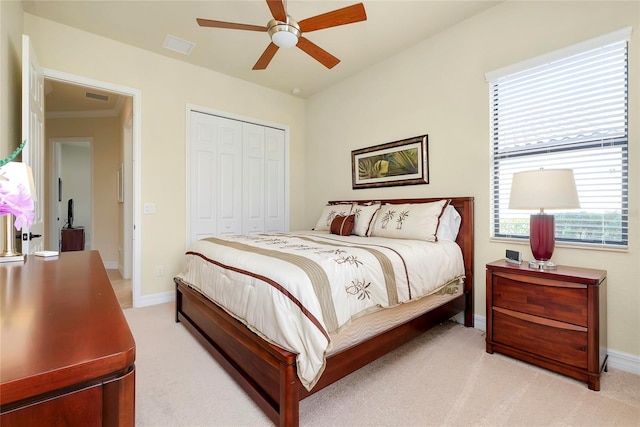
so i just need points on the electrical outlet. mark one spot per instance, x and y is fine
(149, 208)
(160, 271)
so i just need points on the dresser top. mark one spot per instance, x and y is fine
(587, 276)
(60, 324)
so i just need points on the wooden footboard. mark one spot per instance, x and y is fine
(268, 373)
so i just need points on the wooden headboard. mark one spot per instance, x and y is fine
(465, 239)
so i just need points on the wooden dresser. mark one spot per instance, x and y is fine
(554, 319)
(67, 352)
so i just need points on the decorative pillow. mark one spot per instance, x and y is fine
(449, 224)
(342, 225)
(364, 218)
(329, 212)
(417, 221)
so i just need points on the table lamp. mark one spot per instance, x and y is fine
(543, 189)
(17, 195)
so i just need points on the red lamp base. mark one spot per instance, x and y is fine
(542, 240)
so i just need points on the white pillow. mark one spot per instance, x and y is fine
(417, 221)
(364, 218)
(329, 212)
(449, 224)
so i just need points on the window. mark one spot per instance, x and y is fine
(567, 109)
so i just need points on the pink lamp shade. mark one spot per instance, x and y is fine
(543, 189)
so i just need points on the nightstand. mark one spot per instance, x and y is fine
(553, 319)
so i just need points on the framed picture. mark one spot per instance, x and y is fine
(404, 162)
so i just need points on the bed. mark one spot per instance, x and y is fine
(277, 378)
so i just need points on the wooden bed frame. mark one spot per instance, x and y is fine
(268, 373)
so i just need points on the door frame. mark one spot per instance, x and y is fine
(135, 165)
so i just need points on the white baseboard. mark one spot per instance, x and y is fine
(480, 322)
(623, 361)
(110, 265)
(617, 359)
(153, 299)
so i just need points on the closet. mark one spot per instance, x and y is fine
(236, 177)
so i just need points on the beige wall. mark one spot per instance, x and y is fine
(105, 133)
(10, 72)
(437, 87)
(10, 69)
(167, 86)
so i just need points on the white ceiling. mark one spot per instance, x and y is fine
(391, 26)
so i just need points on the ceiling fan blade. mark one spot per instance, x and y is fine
(266, 57)
(277, 10)
(316, 52)
(231, 25)
(346, 15)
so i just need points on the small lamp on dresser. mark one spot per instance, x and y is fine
(17, 197)
(543, 189)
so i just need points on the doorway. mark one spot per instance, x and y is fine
(97, 113)
(72, 196)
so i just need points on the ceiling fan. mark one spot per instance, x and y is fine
(285, 32)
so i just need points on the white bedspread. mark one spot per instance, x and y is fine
(294, 289)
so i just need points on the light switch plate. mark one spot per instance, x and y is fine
(149, 208)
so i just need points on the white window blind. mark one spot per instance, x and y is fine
(567, 113)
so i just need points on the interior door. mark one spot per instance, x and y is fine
(203, 196)
(274, 181)
(228, 176)
(33, 133)
(253, 178)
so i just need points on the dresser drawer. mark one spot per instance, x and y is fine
(561, 342)
(77, 408)
(562, 301)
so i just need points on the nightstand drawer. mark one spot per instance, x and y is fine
(553, 340)
(562, 301)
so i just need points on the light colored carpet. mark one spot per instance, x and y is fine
(442, 378)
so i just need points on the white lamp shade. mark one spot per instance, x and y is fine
(14, 173)
(544, 189)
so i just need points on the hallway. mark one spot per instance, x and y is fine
(122, 288)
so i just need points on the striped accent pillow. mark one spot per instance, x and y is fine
(343, 225)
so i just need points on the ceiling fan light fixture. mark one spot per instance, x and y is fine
(284, 34)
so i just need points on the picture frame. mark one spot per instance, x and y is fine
(403, 162)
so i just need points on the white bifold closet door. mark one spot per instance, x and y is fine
(263, 179)
(236, 177)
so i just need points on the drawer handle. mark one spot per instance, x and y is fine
(540, 320)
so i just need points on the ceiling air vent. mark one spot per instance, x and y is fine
(178, 45)
(96, 96)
